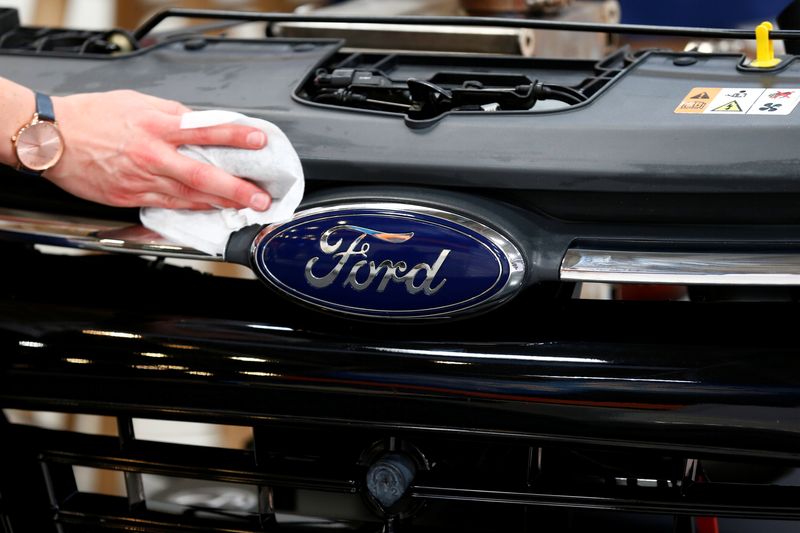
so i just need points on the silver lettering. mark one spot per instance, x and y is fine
(324, 281)
(430, 273)
(391, 273)
(353, 281)
(395, 272)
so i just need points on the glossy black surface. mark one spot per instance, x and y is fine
(165, 341)
(598, 391)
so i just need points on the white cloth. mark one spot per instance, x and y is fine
(275, 168)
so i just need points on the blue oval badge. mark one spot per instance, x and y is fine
(389, 260)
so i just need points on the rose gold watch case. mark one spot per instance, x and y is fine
(39, 145)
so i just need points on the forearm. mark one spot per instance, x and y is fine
(16, 108)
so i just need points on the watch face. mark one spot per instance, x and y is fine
(39, 146)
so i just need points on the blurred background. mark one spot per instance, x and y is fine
(128, 14)
(102, 14)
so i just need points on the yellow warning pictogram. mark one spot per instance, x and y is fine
(730, 107)
(696, 100)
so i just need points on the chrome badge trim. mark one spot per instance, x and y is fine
(91, 235)
(681, 267)
(343, 241)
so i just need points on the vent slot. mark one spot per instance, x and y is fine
(79, 423)
(196, 433)
(99, 481)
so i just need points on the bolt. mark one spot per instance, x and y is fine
(389, 478)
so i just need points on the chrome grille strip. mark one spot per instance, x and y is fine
(592, 265)
(684, 268)
(91, 234)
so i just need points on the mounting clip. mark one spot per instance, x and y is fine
(765, 48)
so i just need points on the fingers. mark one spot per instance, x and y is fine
(177, 189)
(154, 199)
(210, 180)
(232, 135)
(174, 195)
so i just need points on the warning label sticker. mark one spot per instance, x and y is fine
(776, 102)
(733, 101)
(697, 100)
(731, 107)
(739, 101)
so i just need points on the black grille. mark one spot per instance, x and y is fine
(311, 478)
(559, 422)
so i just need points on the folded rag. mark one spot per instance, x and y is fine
(275, 168)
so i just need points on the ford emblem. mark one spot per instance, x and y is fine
(389, 260)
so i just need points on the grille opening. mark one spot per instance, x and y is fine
(99, 481)
(574, 470)
(195, 497)
(309, 506)
(744, 525)
(194, 433)
(630, 292)
(181, 496)
(186, 496)
(753, 473)
(593, 291)
(75, 422)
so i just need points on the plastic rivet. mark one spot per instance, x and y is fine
(195, 44)
(684, 61)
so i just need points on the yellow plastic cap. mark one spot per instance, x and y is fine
(765, 49)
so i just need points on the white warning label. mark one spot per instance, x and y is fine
(739, 101)
(775, 102)
(733, 101)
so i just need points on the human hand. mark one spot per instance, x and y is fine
(121, 150)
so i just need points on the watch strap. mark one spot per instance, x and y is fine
(44, 107)
(29, 172)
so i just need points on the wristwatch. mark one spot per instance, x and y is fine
(39, 144)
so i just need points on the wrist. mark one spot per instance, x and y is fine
(17, 106)
(58, 109)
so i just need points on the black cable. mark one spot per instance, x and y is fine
(567, 91)
(327, 97)
(563, 97)
(555, 92)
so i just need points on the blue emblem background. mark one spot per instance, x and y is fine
(475, 270)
